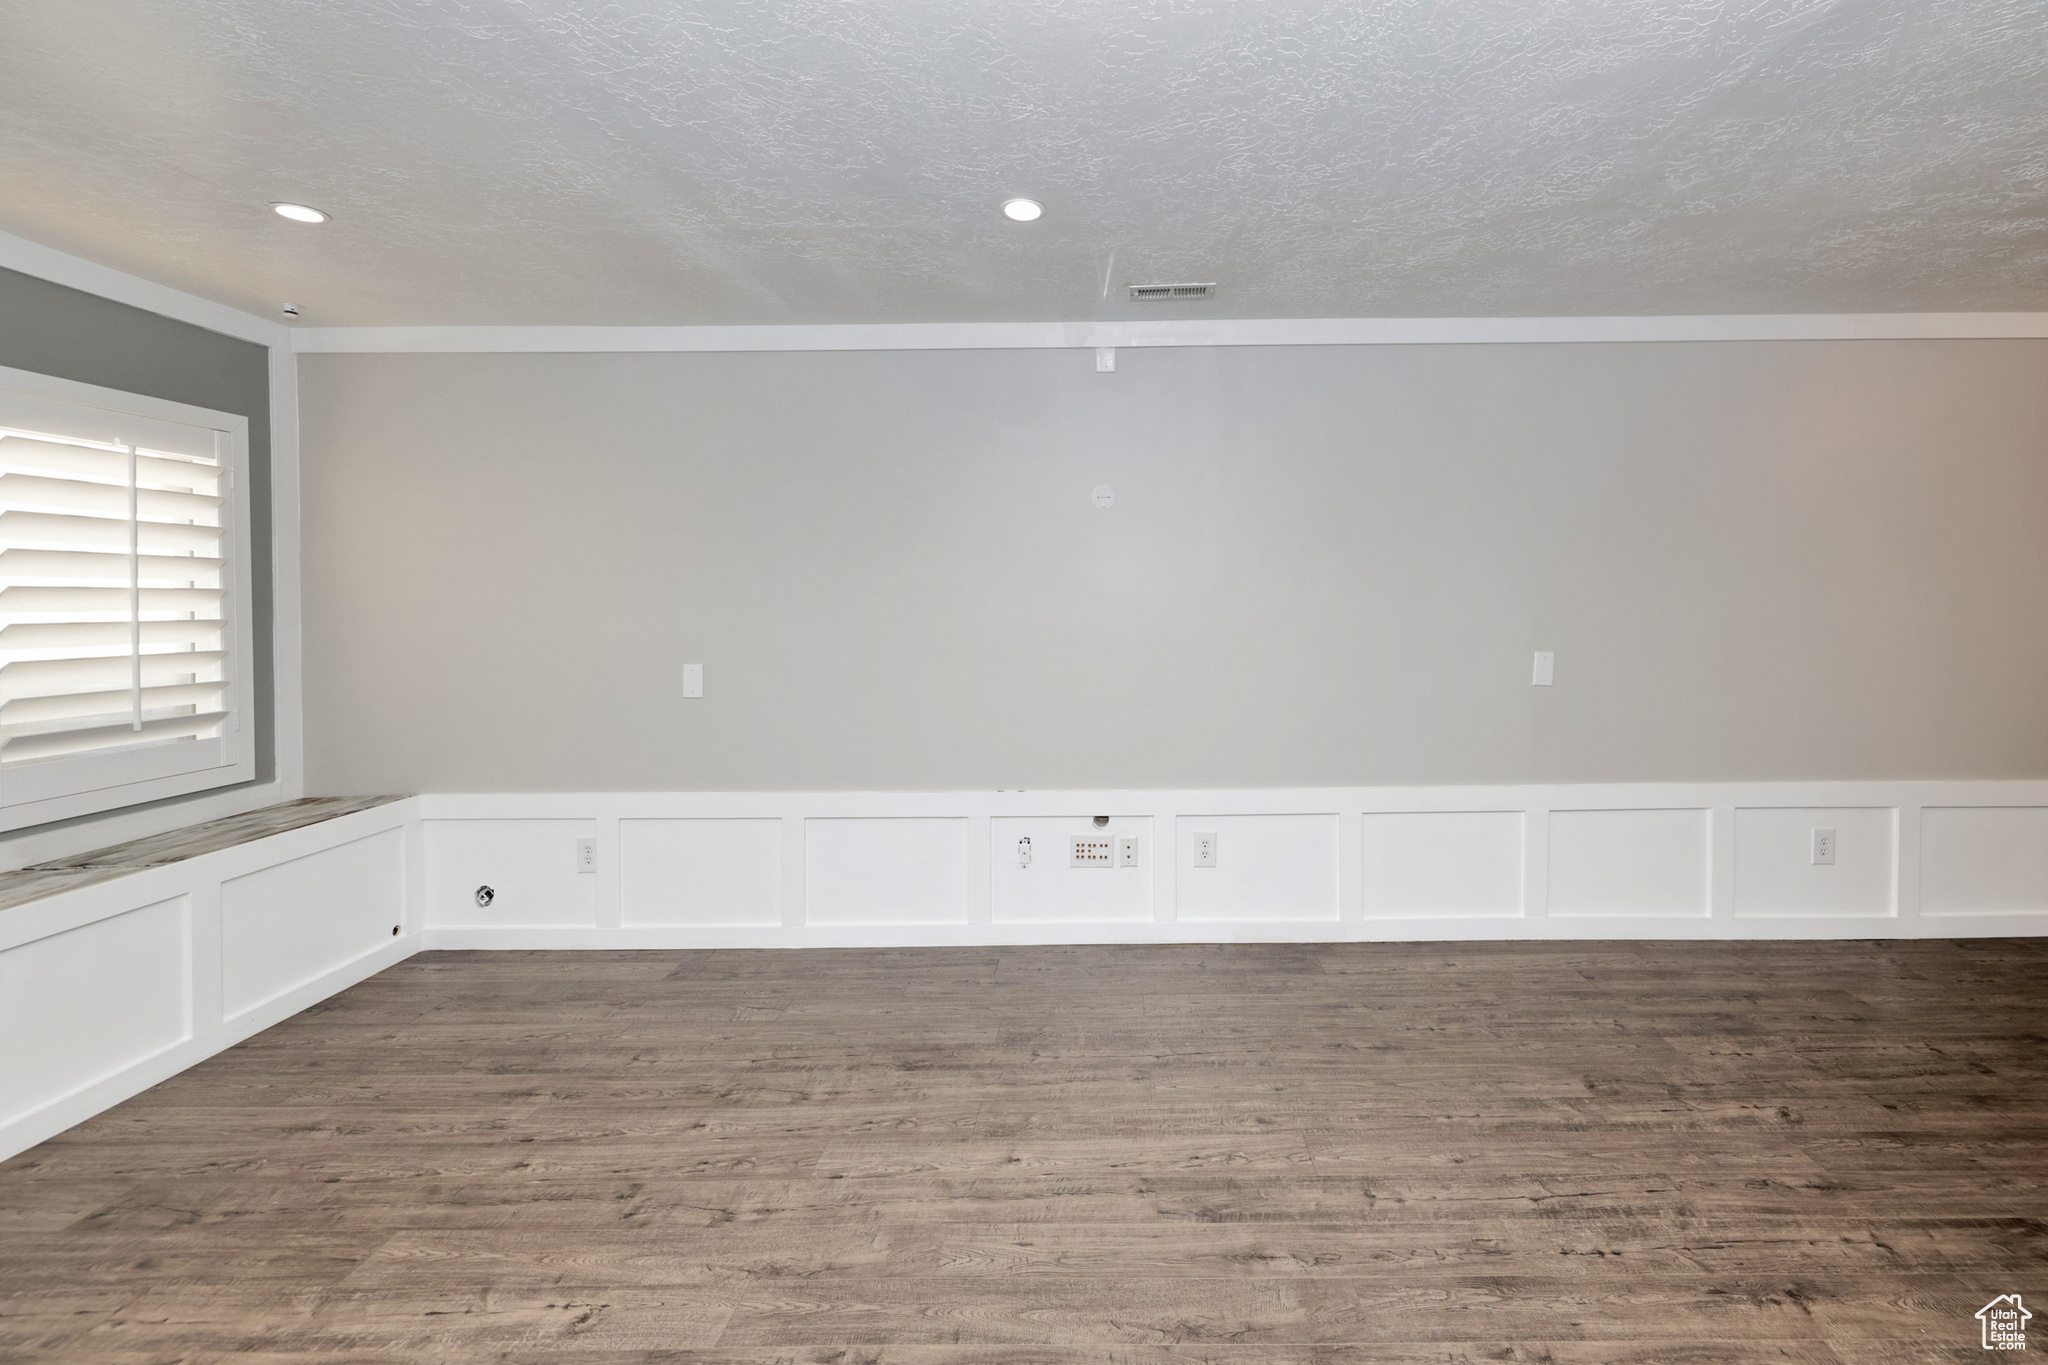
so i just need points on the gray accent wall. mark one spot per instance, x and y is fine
(1774, 560)
(51, 329)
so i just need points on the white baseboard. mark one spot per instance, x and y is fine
(1455, 929)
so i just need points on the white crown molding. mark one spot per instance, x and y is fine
(47, 263)
(973, 336)
(17, 253)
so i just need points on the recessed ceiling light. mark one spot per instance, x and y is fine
(299, 213)
(1022, 210)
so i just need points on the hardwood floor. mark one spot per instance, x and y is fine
(1346, 1155)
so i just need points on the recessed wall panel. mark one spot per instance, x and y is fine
(1977, 860)
(288, 924)
(1650, 863)
(1774, 869)
(1422, 864)
(530, 866)
(1268, 867)
(1050, 890)
(886, 870)
(79, 1006)
(701, 872)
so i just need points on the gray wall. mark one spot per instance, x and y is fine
(1324, 566)
(50, 329)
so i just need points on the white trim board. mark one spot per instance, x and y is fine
(287, 635)
(561, 938)
(852, 869)
(970, 336)
(32, 258)
(47, 263)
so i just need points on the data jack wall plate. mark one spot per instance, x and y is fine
(1091, 850)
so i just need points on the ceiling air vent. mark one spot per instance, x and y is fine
(1153, 293)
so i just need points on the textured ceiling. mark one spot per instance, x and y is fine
(735, 161)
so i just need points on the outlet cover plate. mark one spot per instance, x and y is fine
(1823, 847)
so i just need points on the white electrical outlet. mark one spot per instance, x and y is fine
(586, 855)
(1823, 848)
(1127, 850)
(1546, 667)
(1205, 850)
(693, 680)
(1091, 850)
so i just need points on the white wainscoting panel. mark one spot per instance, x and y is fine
(1775, 873)
(530, 866)
(109, 987)
(1423, 864)
(284, 926)
(1268, 867)
(86, 1004)
(172, 963)
(883, 870)
(1637, 863)
(1051, 891)
(709, 872)
(1977, 860)
(840, 869)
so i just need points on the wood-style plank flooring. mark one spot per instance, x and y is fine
(1347, 1155)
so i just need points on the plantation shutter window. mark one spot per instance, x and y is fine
(123, 620)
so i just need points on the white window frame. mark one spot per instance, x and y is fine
(115, 781)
